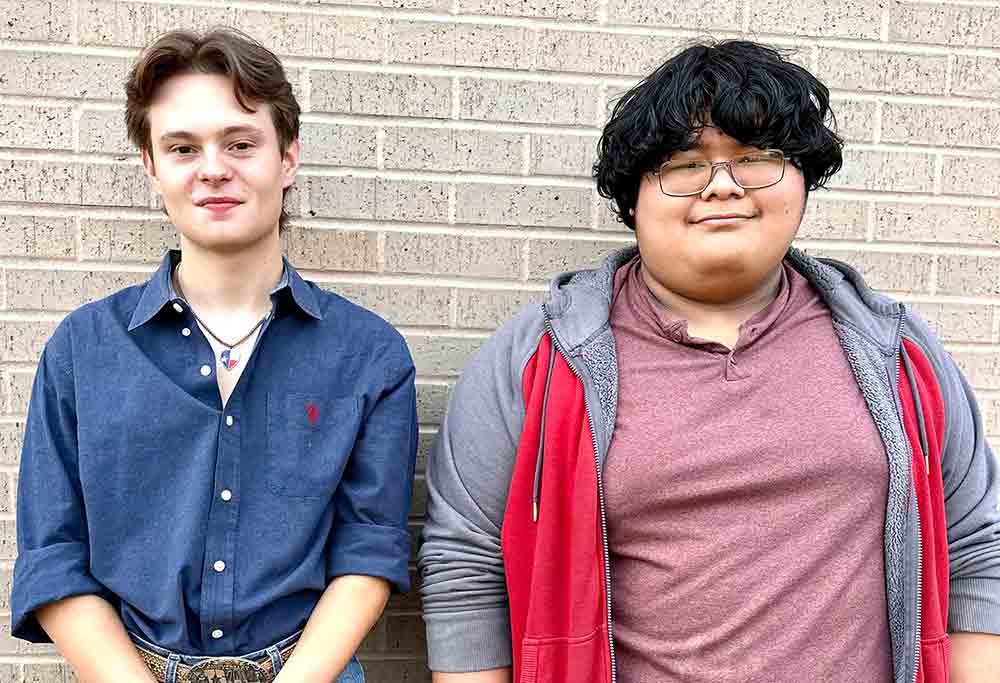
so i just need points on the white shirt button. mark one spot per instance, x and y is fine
(219, 566)
(229, 420)
(186, 331)
(178, 307)
(217, 633)
(205, 371)
(226, 495)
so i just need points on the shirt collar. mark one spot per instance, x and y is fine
(159, 291)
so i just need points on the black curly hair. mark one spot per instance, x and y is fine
(747, 90)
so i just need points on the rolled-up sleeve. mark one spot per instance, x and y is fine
(53, 552)
(372, 503)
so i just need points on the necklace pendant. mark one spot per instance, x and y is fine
(229, 358)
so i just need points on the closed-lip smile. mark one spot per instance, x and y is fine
(723, 216)
(217, 200)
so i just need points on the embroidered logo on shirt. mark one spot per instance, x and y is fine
(312, 412)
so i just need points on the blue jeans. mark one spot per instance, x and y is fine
(352, 673)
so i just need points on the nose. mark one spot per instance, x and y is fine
(721, 184)
(213, 167)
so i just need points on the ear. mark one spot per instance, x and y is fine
(147, 162)
(290, 163)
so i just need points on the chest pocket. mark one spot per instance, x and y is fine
(309, 440)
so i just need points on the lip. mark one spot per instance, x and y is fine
(218, 204)
(720, 218)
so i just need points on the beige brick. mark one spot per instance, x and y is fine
(396, 4)
(105, 239)
(114, 185)
(135, 24)
(960, 323)
(855, 120)
(400, 305)
(563, 154)
(602, 53)
(339, 37)
(489, 308)
(63, 290)
(976, 76)
(441, 355)
(548, 258)
(921, 123)
(981, 368)
(585, 10)
(945, 224)
(887, 271)
(54, 182)
(341, 197)
(56, 75)
(9, 644)
(695, 14)
(485, 99)
(6, 576)
(36, 127)
(425, 441)
(895, 72)
(381, 94)
(886, 171)
(969, 275)
(22, 340)
(430, 42)
(284, 33)
(526, 205)
(347, 250)
(411, 200)
(432, 399)
(6, 494)
(10, 672)
(338, 145)
(11, 438)
(103, 130)
(990, 408)
(37, 236)
(607, 220)
(857, 19)
(35, 672)
(978, 176)
(477, 151)
(836, 219)
(19, 391)
(41, 20)
(947, 24)
(467, 255)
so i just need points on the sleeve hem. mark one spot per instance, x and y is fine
(370, 550)
(974, 606)
(468, 641)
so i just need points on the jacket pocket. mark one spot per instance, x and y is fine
(564, 660)
(309, 439)
(935, 659)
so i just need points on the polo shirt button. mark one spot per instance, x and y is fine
(205, 371)
(178, 307)
(226, 495)
(219, 566)
(229, 420)
(217, 633)
(186, 331)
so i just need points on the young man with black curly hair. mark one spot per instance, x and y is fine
(713, 458)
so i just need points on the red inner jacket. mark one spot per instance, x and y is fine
(555, 566)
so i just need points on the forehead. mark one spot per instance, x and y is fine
(711, 139)
(202, 104)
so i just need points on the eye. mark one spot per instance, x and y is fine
(242, 146)
(182, 149)
(751, 159)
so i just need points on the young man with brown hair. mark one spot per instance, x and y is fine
(218, 463)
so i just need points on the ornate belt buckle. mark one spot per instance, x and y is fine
(228, 670)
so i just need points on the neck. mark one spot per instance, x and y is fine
(230, 283)
(710, 315)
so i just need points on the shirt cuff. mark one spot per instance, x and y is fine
(46, 575)
(462, 642)
(370, 550)
(974, 606)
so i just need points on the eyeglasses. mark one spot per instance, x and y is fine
(750, 171)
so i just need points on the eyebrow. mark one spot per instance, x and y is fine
(227, 131)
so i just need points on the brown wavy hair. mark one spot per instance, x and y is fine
(257, 75)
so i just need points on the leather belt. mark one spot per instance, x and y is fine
(216, 669)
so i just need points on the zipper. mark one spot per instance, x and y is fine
(909, 450)
(600, 489)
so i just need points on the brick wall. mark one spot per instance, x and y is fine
(447, 147)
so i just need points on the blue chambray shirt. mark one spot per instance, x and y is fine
(211, 535)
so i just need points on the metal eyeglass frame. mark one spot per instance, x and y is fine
(715, 166)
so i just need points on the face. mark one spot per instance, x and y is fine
(719, 246)
(219, 169)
